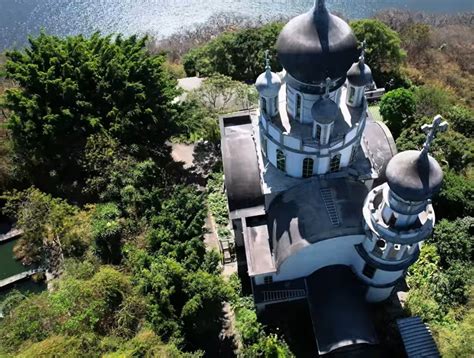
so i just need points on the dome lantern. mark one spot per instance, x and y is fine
(415, 176)
(358, 77)
(268, 85)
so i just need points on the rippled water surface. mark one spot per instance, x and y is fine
(18, 18)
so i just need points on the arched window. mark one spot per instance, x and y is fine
(308, 165)
(354, 153)
(335, 163)
(263, 104)
(298, 106)
(281, 160)
(318, 133)
(351, 94)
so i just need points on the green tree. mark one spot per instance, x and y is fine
(75, 87)
(432, 100)
(462, 120)
(52, 229)
(456, 198)
(453, 240)
(397, 108)
(238, 54)
(107, 232)
(384, 53)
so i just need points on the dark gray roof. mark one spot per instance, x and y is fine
(317, 45)
(338, 309)
(268, 84)
(414, 177)
(380, 145)
(302, 217)
(325, 111)
(360, 74)
(417, 338)
(242, 175)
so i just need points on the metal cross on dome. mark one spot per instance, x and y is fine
(363, 46)
(328, 86)
(267, 60)
(431, 130)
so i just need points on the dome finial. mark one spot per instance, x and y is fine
(267, 60)
(320, 5)
(327, 87)
(363, 46)
(431, 130)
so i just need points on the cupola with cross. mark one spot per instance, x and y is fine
(399, 214)
(268, 85)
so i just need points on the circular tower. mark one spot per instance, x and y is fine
(315, 131)
(399, 217)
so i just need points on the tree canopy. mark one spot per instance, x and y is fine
(73, 88)
(383, 53)
(239, 55)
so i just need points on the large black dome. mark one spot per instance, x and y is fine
(317, 45)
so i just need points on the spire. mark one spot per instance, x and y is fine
(363, 46)
(267, 61)
(320, 5)
(327, 86)
(432, 130)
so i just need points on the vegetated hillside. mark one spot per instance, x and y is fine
(90, 180)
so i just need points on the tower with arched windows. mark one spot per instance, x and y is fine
(317, 193)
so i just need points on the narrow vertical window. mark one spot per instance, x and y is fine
(276, 105)
(308, 165)
(354, 153)
(281, 160)
(318, 133)
(263, 103)
(335, 163)
(298, 106)
(352, 94)
(264, 145)
(369, 271)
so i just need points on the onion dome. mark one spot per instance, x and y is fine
(325, 111)
(360, 74)
(317, 45)
(414, 176)
(268, 84)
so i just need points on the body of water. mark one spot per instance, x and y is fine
(9, 266)
(19, 18)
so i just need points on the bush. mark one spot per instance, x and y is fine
(76, 87)
(384, 54)
(239, 54)
(397, 108)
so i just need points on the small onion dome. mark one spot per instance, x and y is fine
(317, 45)
(268, 84)
(414, 176)
(360, 74)
(324, 111)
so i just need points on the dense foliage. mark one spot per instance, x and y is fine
(383, 53)
(88, 119)
(239, 55)
(73, 89)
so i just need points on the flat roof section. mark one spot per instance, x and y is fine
(241, 170)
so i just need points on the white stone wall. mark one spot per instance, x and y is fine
(358, 96)
(338, 251)
(307, 102)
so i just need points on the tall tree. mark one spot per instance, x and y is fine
(76, 87)
(384, 53)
